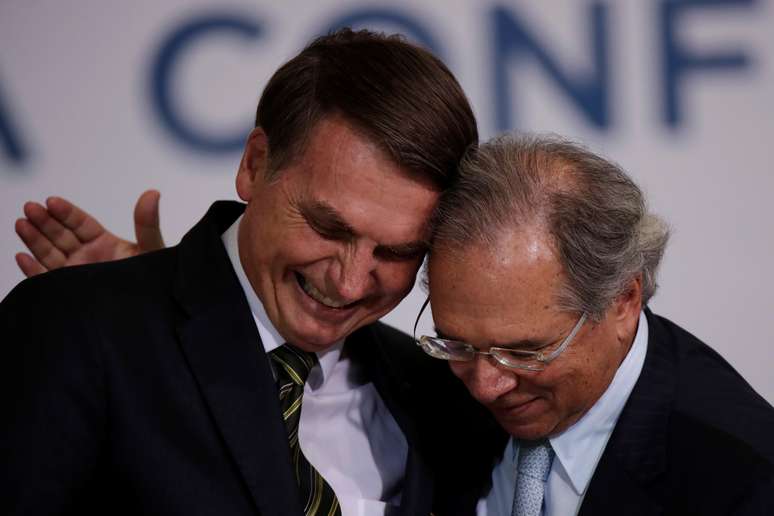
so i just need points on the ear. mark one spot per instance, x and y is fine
(252, 168)
(626, 310)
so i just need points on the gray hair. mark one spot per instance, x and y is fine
(595, 214)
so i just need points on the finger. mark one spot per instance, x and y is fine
(61, 237)
(85, 227)
(43, 250)
(29, 265)
(146, 222)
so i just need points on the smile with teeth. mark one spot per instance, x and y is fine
(318, 296)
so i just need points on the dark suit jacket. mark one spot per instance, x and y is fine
(693, 438)
(141, 387)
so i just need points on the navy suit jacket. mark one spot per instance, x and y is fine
(693, 438)
(140, 387)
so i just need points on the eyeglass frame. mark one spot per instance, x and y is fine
(537, 355)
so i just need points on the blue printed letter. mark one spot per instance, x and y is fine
(589, 92)
(163, 72)
(10, 139)
(677, 60)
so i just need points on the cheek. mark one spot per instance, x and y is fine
(573, 389)
(462, 370)
(557, 385)
(305, 250)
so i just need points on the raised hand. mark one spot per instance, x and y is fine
(61, 234)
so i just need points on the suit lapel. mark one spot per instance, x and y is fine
(366, 346)
(224, 351)
(614, 491)
(628, 476)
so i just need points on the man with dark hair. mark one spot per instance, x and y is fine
(543, 261)
(172, 383)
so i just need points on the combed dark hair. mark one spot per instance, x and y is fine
(397, 94)
(595, 214)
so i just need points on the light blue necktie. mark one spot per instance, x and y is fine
(531, 474)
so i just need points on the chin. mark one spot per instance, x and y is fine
(315, 337)
(314, 343)
(527, 431)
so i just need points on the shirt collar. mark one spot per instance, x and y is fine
(579, 448)
(270, 337)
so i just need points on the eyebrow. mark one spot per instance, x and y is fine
(323, 216)
(526, 344)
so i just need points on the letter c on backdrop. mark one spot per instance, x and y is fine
(163, 68)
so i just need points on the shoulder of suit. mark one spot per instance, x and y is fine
(713, 402)
(84, 281)
(389, 333)
(714, 469)
(112, 298)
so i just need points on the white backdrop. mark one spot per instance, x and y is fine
(83, 115)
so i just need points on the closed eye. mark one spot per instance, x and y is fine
(325, 221)
(400, 253)
(328, 231)
(531, 346)
(524, 346)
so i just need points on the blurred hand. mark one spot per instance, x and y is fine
(61, 234)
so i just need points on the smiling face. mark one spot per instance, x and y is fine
(335, 240)
(506, 296)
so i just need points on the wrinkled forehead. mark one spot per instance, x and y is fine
(517, 266)
(522, 246)
(335, 138)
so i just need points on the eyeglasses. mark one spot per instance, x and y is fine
(458, 351)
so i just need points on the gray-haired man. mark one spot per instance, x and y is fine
(543, 262)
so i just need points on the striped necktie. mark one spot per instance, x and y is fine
(292, 366)
(532, 471)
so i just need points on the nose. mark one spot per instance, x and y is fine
(485, 381)
(353, 277)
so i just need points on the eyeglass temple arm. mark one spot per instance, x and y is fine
(421, 311)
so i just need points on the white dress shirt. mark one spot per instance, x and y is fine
(346, 431)
(577, 449)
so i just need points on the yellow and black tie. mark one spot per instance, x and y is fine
(292, 366)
